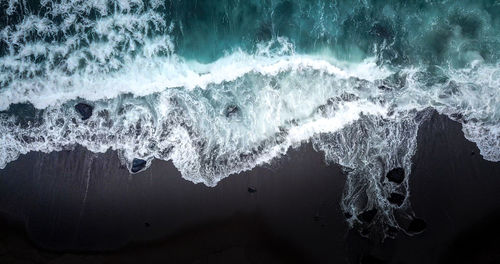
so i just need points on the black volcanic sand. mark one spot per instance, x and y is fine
(79, 207)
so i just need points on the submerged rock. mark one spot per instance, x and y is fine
(396, 175)
(416, 226)
(367, 216)
(138, 165)
(252, 190)
(231, 110)
(84, 110)
(396, 198)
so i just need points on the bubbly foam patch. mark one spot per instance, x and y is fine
(148, 75)
(62, 50)
(275, 110)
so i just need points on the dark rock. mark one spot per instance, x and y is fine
(231, 110)
(396, 198)
(473, 153)
(84, 110)
(138, 165)
(252, 190)
(367, 216)
(396, 175)
(416, 226)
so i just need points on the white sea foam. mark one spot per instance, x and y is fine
(270, 92)
(470, 96)
(149, 75)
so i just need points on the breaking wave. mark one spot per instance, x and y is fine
(224, 90)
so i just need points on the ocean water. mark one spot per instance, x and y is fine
(219, 87)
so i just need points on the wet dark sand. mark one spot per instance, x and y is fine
(80, 207)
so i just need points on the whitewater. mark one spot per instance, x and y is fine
(220, 87)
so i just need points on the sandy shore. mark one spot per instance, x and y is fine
(80, 207)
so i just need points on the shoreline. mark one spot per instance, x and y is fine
(156, 214)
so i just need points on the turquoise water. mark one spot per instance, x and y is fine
(220, 87)
(396, 32)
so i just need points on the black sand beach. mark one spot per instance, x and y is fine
(80, 207)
